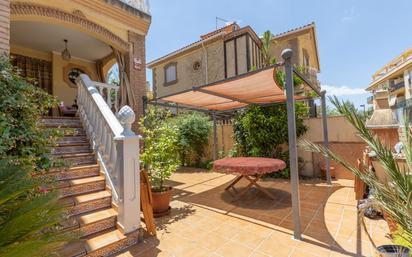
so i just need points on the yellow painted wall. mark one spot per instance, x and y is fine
(61, 89)
(117, 21)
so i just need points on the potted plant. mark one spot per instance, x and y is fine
(394, 196)
(160, 156)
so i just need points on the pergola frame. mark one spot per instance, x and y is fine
(290, 102)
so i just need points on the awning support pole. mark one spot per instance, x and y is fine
(214, 137)
(293, 156)
(325, 135)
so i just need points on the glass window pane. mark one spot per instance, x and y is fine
(171, 73)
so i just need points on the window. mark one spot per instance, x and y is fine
(170, 74)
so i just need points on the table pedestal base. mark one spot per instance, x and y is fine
(252, 182)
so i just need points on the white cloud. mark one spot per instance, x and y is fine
(343, 90)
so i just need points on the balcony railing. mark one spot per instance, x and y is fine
(369, 100)
(311, 74)
(393, 65)
(397, 86)
(142, 5)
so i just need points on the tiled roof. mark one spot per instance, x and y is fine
(295, 30)
(224, 30)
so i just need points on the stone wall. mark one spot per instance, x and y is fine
(187, 76)
(4, 27)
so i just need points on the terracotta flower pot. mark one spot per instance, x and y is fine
(391, 223)
(161, 201)
(323, 172)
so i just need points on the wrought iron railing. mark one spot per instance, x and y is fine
(397, 86)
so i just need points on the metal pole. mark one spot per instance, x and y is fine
(293, 153)
(325, 135)
(214, 137)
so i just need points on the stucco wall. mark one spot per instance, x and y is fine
(188, 77)
(61, 89)
(4, 26)
(277, 47)
(343, 140)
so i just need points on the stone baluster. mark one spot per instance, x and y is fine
(116, 145)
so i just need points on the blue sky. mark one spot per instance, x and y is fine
(355, 38)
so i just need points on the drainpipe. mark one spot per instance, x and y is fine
(206, 59)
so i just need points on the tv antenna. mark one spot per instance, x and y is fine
(221, 20)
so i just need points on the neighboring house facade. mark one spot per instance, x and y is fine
(228, 52)
(391, 90)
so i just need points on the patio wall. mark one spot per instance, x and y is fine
(342, 139)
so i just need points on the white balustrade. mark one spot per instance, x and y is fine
(116, 147)
(110, 93)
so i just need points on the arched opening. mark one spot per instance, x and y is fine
(39, 50)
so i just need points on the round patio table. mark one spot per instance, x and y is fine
(250, 168)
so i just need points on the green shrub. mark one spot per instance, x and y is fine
(29, 217)
(21, 106)
(193, 136)
(160, 152)
(262, 131)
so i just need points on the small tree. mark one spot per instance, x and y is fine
(394, 196)
(160, 153)
(193, 135)
(261, 131)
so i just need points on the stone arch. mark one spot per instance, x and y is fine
(41, 13)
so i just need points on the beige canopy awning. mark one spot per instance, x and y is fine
(256, 87)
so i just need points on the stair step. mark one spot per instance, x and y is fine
(72, 131)
(92, 222)
(81, 185)
(59, 123)
(75, 172)
(76, 159)
(72, 149)
(87, 202)
(73, 249)
(72, 140)
(60, 118)
(102, 244)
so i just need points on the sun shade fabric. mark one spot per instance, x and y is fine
(256, 87)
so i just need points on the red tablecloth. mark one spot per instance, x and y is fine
(248, 165)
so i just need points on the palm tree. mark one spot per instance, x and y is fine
(29, 218)
(393, 196)
(266, 42)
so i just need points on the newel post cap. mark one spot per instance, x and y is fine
(287, 54)
(126, 117)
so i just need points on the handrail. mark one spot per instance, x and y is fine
(116, 148)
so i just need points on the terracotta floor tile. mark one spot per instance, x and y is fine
(205, 221)
(233, 249)
(212, 241)
(248, 239)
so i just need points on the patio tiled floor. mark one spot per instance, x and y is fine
(206, 222)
